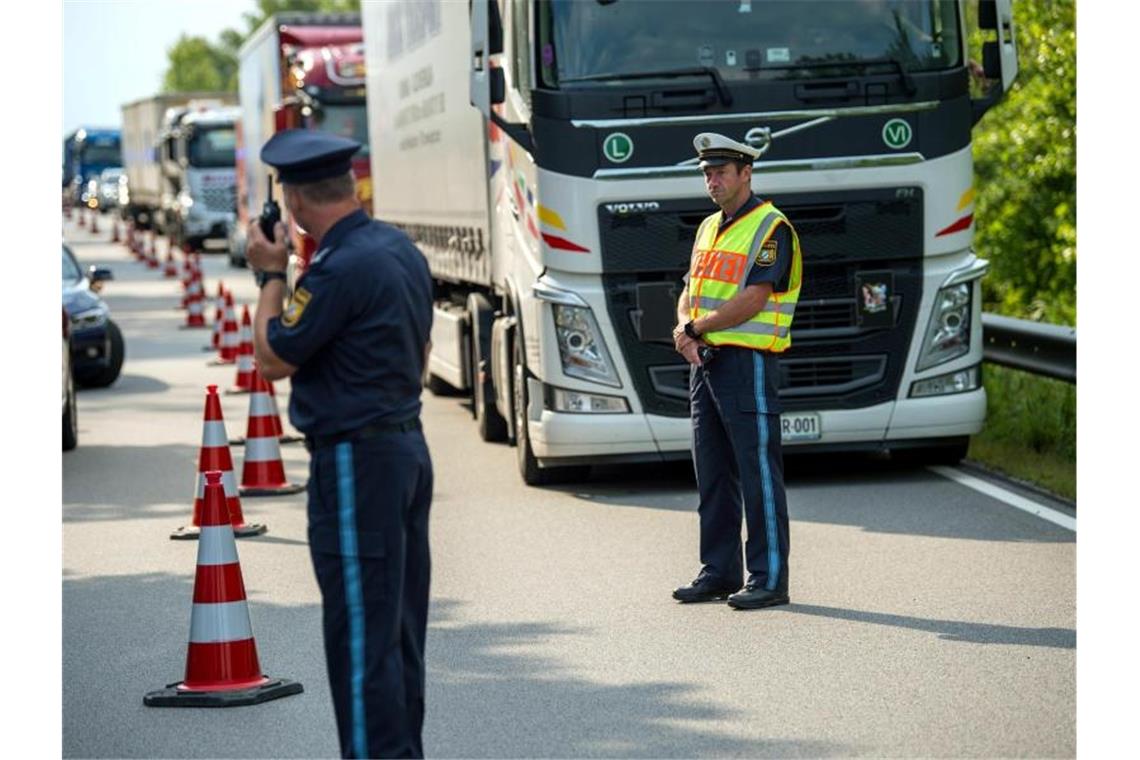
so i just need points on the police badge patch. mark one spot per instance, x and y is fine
(767, 255)
(296, 307)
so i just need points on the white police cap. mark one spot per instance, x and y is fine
(717, 150)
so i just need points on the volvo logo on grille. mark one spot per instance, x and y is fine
(622, 209)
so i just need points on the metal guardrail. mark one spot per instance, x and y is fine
(1049, 350)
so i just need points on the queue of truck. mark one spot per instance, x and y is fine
(539, 153)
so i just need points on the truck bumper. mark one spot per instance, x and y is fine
(563, 439)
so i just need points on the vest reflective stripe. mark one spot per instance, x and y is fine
(720, 267)
(712, 304)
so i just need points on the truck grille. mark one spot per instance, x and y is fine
(834, 363)
(220, 198)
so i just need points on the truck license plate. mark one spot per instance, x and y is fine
(801, 426)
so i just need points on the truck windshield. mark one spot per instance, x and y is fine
(349, 121)
(101, 154)
(212, 148)
(742, 39)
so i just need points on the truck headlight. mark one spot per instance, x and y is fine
(948, 334)
(581, 345)
(954, 382)
(562, 400)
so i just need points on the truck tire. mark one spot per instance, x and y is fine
(104, 376)
(70, 418)
(532, 474)
(491, 425)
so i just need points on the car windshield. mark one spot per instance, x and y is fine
(346, 121)
(212, 147)
(71, 271)
(742, 39)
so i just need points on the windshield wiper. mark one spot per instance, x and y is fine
(907, 80)
(698, 71)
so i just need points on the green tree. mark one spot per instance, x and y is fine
(1026, 174)
(194, 65)
(197, 64)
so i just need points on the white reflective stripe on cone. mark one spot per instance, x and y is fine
(216, 545)
(230, 339)
(261, 405)
(262, 449)
(214, 434)
(229, 485)
(212, 623)
(246, 334)
(245, 363)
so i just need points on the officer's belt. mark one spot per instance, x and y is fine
(368, 431)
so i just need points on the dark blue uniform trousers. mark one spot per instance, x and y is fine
(368, 536)
(739, 465)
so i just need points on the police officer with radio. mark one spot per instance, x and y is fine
(353, 339)
(734, 318)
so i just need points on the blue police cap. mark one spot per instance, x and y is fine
(301, 156)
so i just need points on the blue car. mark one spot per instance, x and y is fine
(97, 348)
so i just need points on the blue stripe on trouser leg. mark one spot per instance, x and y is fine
(353, 593)
(766, 474)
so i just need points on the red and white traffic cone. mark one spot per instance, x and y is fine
(219, 319)
(115, 231)
(82, 217)
(230, 341)
(67, 211)
(151, 253)
(194, 316)
(94, 222)
(215, 455)
(282, 436)
(171, 269)
(244, 381)
(275, 415)
(263, 471)
(222, 668)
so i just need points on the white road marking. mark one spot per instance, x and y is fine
(1008, 497)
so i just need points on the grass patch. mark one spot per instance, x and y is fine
(1031, 429)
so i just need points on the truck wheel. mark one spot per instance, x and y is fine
(70, 418)
(492, 427)
(103, 377)
(532, 474)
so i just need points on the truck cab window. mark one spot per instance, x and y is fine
(521, 59)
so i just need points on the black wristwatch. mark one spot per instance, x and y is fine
(692, 331)
(264, 277)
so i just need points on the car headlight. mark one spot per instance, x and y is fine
(963, 380)
(948, 334)
(581, 345)
(89, 318)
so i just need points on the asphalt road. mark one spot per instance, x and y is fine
(927, 618)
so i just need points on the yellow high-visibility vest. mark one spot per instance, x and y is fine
(720, 267)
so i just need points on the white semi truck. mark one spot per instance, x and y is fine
(143, 126)
(540, 154)
(197, 146)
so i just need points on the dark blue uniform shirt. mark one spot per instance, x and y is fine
(356, 328)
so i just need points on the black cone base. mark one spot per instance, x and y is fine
(288, 488)
(171, 696)
(245, 530)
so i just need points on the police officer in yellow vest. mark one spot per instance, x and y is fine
(734, 318)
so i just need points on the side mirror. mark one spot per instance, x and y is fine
(99, 274)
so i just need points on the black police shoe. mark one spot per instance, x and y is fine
(754, 596)
(705, 588)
